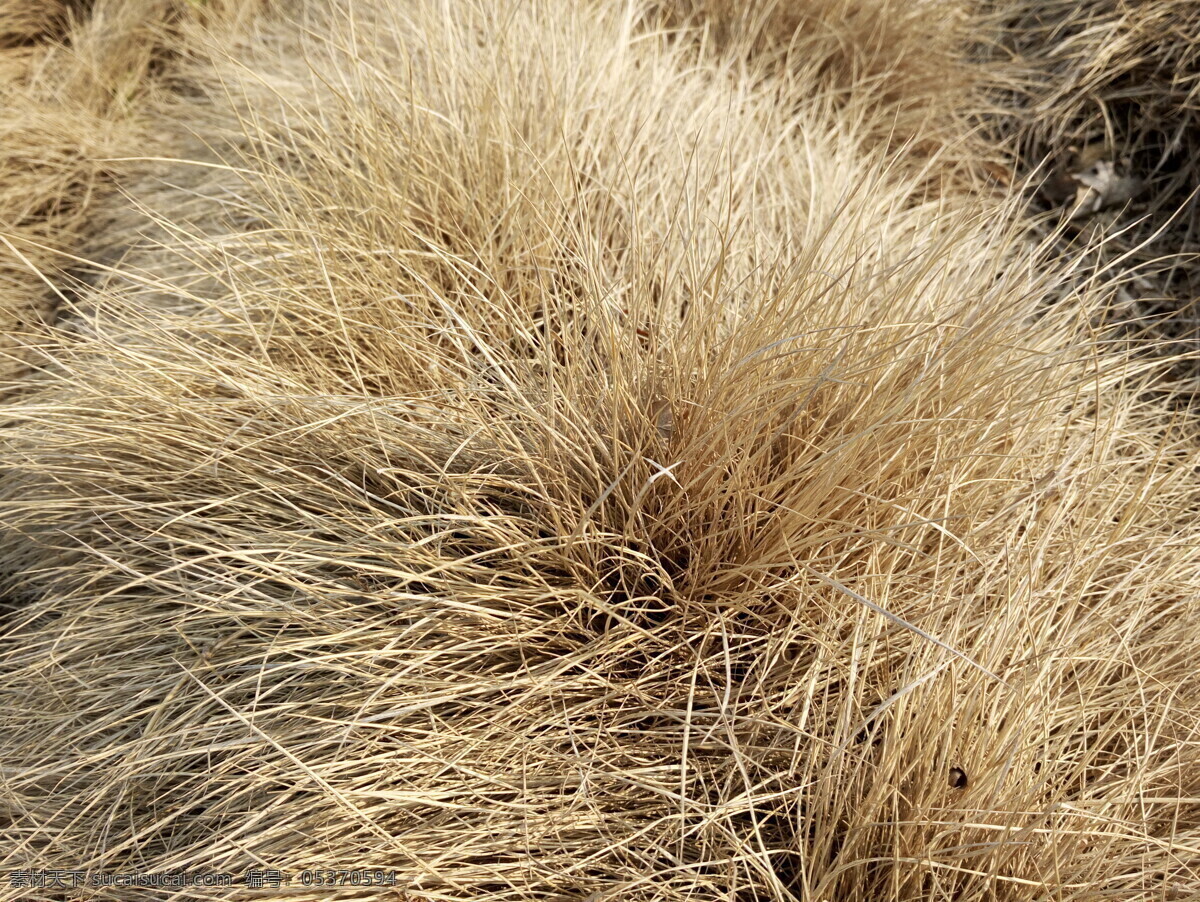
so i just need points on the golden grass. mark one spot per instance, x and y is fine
(523, 447)
(71, 83)
(900, 71)
(1117, 83)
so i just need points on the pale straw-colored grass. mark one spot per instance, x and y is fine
(1115, 83)
(507, 444)
(73, 77)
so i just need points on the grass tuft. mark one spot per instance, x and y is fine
(525, 447)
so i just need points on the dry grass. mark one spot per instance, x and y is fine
(900, 71)
(72, 77)
(518, 448)
(1116, 83)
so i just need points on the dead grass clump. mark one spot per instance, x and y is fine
(503, 450)
(24, 22)
(900, 71)
(48, 177)
(1107, 108)
(72, 79)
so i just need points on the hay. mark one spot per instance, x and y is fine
(505, 445)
